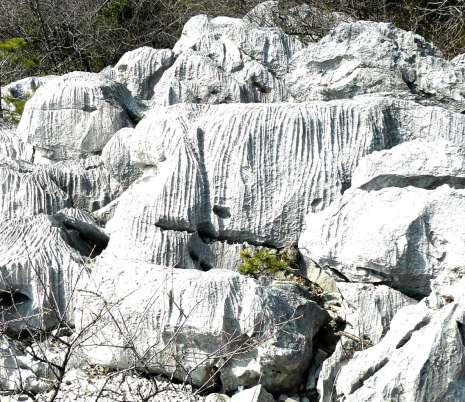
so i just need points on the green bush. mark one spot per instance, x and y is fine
(17, 103)
(264, 262)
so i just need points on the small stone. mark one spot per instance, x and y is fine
(217, 398)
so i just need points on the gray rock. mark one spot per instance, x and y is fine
(255, 394)
(368, 311)
(403, 237)
(87, 383)
(250, 173)
(76, 114)
(397, 228)
(139, 70)
(25, 88)
(226, 60)
(39, 272)
(420, 359)
(116, 157)
(19, 372)
(366, 57)
(419, 163)
(218, 322)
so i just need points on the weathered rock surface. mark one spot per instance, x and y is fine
(76, 114)
(299, 19)
(402, 237)
(368, 311)
(12, 148)
(366, 57)
(116, 157)
(19, 372)
(27, 191)
(418, 163)
(226, 60)
(38, 271)
(219, 323)
(255, 394)
(25, 88)
(374, 152)
(87, 182)
(397, 228)
(140, 69)
(421, 358)
(250, 173)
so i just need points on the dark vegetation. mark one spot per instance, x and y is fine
(56, 36)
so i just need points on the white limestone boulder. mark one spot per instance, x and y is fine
(307, 21)
(247, 173)
(402, 237)
(396, 227)
(26, 191)
(41, 264)
(196, 79)
(367, 57)
(140, 70)
(12, 148)
(194, 326)
(116, 157)
(226, 60)
(419, 163)
(76, 114)
(367, 311)
(87, 183)
(421, 358)
(23, 89)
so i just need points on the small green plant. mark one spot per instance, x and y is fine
(264, 262)
(14, 116)
(17, 103)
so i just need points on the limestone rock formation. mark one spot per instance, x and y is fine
(139, 70)
(12, 148)
(395, 229)
(76, 115)
(419, 163)
(367, 311)
(226, 60)
(127, 196)
(87, 182)
(250, 173)
(200, 325)
(367, 57)
(40, 268)
(116, 157)
(308, 21)
(25, 88)
(420, 359)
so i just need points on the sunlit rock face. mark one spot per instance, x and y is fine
(76, 115)
(368, 57)
(129, 195)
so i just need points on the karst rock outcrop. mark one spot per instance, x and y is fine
(128, 198)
